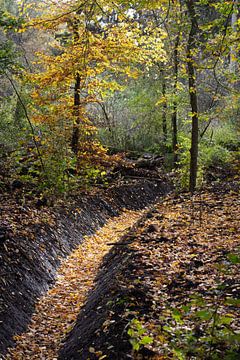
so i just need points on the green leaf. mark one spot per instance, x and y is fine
(232, 355)
(231, 301)
(167, 328)
(135, 344)
(234, 259)
(234, 338)
(146, 340)
(225, 320)
(204, 314)
(179, 353)
(177, 316)
(141, 332)
(198, 301)
(186, 308)
(131, 332)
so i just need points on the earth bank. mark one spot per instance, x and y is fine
(170, 288)
(33, 242)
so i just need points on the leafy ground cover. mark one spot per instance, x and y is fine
(170, 290)
(166, 289)
(35, 240)
(56, 311)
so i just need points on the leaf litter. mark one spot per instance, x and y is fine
(174, 291)
(56, 312)
(175, 294)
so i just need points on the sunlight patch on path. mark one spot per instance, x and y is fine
(57, 311)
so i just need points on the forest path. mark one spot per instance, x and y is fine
(171, 283)
(57, 311)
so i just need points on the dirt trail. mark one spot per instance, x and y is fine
(34, 242)
(56, 312)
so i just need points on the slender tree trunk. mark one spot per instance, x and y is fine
(233, 52)
(77, 86)
(194, 137)
(76, 131)
(193, 95)
(174, 114)
(164, 111)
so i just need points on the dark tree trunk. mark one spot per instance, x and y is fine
(193, 95)
(164, 111)
(174, 114)
(194, 137)
(76, 131)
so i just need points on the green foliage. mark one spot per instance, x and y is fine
(218, 149)
(8, 21)
(138, 124)
(184, 161)
(184, 146)
(215, 155)
(234, 258)
(219, 146)
(138, 335)
(12, 123)
(205, 329)
(227, 136)
(8, 53)
(7, 56)
(201, 331)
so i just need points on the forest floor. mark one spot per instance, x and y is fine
(159, 284)
(58, 309)
(35, 240)
(171, 288)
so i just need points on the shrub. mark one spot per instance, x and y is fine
(227, 136)
(215, 155)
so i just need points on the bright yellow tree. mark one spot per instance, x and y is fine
(95, 47)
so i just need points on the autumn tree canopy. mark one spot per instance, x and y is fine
(155, 76)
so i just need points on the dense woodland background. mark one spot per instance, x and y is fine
(84, 80)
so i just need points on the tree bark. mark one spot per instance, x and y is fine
(191, 47)
(164, 111)
(77, 86)
(174, 114)
(76, 131)
(233, 52)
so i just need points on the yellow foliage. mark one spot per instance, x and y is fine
(99, 53)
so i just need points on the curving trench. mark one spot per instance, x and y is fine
(29, 268)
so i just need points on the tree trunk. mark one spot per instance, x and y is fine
(174, 114)
(194, 137)
(76, 131)
(164, 111)
(77, 86)
(233, 52)
(191, 47)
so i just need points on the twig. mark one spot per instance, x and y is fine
(28, 119)
(58, 17)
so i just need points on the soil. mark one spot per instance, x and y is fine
(34, 241)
